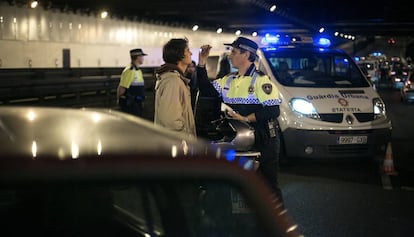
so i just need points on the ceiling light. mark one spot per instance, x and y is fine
(104, 14)
(238, 32)
(219, 30)
(34, 4)
(272, 8)
(195, 27)
(254, 34)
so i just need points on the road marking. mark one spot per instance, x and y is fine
(385, 179)
(386, 182)
(407, 188)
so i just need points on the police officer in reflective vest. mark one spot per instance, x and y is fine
(253, 97)
(131, 91)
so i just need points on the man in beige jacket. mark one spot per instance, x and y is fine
(172, 92)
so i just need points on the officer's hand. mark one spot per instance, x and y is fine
(203, 54)
(234, 115)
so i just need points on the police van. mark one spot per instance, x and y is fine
(328, 107)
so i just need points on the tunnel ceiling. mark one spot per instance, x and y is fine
(359, 18)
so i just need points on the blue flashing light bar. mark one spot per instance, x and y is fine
(377, 54)
(277, 40)
(322, 42)
(270, 40)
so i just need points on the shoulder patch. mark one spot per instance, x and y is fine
(267, 88)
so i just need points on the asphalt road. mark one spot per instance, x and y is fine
(353, 197)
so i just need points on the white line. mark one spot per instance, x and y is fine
(407, 188)
(386, 181)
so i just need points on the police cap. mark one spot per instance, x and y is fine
(244, 43)
(137, 52)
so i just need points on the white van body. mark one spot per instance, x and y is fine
(329, 111)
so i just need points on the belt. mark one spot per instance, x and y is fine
(136, 97)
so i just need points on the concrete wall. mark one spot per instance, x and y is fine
(36, 38)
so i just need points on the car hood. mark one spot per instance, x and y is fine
(73, 133)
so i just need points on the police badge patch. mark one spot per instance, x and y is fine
(267, 88)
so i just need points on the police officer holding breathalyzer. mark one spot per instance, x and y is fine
(253, 97)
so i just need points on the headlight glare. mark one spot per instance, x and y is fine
(379, 108)
(304, 108)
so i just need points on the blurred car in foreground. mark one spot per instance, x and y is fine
(80, 172)
(407, 91)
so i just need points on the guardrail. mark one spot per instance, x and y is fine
(80, 87)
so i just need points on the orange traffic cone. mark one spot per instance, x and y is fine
(388, 161)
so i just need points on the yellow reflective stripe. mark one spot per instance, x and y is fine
(138, 77)
(242, 95)
(131, 77)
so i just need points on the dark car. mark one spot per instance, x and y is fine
(398, 75)
(80, 172)
(407, 90)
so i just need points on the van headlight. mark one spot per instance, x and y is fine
(304, 107)
(379, 108)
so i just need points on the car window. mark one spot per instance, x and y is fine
(315, 69)
(150, 208)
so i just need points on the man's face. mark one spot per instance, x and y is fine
(187, 56)
(237, 58)
(139, 60)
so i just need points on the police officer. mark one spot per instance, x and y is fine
(131, 91)
(253, 98)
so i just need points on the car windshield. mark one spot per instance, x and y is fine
(315, 69)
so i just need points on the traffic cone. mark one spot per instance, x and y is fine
(388, 161)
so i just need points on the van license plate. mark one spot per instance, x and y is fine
(352, 140)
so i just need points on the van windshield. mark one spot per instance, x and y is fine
(315, 69)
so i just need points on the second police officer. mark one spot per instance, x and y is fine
(131, 90)
(253, 97)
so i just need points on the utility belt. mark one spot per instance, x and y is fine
(130, 99)
(272, 127)
(267, 130)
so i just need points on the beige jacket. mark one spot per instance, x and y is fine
(173, 103)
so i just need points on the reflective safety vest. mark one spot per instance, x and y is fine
(131, 77)
(240, 90)
(133, 80)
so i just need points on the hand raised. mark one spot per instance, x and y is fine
(204, 52)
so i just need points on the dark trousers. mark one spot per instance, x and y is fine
(134, 107)
(269, 148)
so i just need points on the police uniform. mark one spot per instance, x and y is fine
(132, 79)
(251, 93)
